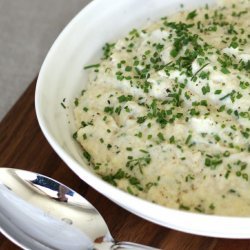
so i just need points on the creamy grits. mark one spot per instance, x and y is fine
(166, 113)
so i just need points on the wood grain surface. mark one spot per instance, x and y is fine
(22, 145)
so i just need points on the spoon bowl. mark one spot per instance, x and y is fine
(37, 212)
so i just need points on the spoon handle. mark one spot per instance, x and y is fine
(130, 245)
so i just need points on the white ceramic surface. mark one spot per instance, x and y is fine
(62, 76)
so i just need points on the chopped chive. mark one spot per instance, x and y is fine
(92, 66)
(188, 139)
(199, 70)
(191, 15)
(161, 136)
(62, 104)
(227, 95)
(225, 70)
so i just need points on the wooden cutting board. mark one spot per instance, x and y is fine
(22, 145)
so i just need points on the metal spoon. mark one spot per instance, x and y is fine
(37, 212)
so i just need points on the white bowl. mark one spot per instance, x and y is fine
(62, 76)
